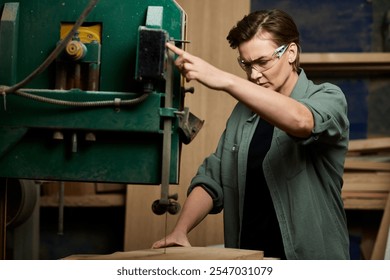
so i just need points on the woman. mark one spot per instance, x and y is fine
(277, 171)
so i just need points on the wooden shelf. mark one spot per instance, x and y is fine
(356, 201)
(98, 200)
(370, 63)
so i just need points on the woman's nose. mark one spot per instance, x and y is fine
(255, 74)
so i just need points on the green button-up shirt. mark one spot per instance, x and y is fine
(304, 176)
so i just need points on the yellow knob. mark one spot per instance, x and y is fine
(76, 50)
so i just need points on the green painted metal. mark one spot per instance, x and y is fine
(8, 47)
(154, 18)
(128, 146)
(40, 31)
(144, 117)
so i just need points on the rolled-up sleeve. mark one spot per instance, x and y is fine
(329, 108)
(209, 178)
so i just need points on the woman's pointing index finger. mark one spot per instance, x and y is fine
(175, 49)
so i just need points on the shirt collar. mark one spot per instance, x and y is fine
(301, 86)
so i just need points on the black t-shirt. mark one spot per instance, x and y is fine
(260, 228)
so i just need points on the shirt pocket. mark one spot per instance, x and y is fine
(291, 157)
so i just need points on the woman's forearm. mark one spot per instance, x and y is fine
(196, 207)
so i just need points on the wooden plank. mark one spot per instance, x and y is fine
(369, 145)
(109, 188)
(177, 253)
(350, 57)
(364, 195)
(380, 242)
(367, 187)
(367, 177)
(71, 188)
(365, 165)
(347, 63)
(364, 204)
(100, 200)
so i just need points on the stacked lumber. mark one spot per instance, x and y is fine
(367, 174)
(367, 185)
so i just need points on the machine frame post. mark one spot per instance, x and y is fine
(3, 217)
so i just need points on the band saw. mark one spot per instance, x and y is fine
(89, 93)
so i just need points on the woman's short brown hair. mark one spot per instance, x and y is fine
(276, 22)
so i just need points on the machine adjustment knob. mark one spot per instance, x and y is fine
(76, 50)
(158, 208)
(185, 90)
(174, 208)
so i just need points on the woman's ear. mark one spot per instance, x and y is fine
(292, 52)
